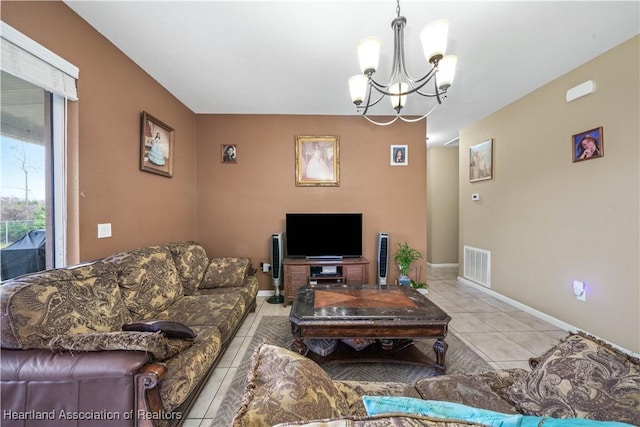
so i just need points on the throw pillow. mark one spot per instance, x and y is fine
(283, 386)
(582, 377)
(168, 328)
(225, 272)
(468, 389)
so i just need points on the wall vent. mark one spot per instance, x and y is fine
(477, 265)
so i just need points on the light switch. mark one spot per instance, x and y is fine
(104, 230)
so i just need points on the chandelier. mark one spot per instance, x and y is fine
(367, 92)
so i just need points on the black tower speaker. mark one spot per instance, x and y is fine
(276, 267)
(382, 271)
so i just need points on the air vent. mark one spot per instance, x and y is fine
(477, 265)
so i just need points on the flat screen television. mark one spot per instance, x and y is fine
(323, 235)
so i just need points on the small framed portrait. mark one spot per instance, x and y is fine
(587, 145)
(481, 161)
(317, 161)
(156, 146)
(399, 155)
(229, 153)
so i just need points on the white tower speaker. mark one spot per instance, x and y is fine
(382, 271)
(276, 267)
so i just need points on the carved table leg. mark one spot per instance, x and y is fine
(440, 348)
(299, 346)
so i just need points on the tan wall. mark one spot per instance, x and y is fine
(143, 208)
(241, 205)
(548, 221)
(442, 199)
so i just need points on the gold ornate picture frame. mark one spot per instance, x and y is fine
(317, 161)
(156, 146)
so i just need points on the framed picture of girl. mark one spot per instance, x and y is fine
(156, 146)
(587, 145)
(399, 155)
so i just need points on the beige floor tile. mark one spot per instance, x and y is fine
(497, 346)
(211, 388)
(469, 322)
(534, 341)
(474, 305)
(219, 396)
(503, 322)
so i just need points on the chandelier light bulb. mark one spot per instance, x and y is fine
(397, 102)
(369, 54)
(358, 88)
(446, 71)
(434, 40)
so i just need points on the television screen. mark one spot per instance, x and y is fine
(319, 235)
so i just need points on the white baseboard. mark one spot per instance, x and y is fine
(540, 315)
(454, 264)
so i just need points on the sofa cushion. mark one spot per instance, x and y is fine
(158, 345)
(188, 368)
(582, 377)
(283, 386)
(168, 328)
(469, 389)
(249, 290)
(225, 272)
(148, 279)
(224, 312)
(40, 306)
(191, 262)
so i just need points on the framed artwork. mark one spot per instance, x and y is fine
(229, 153)
(587, 145)
(481, 161)
(399, 155)
(156, 146)
(317, 161)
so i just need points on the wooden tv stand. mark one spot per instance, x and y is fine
(300, 272)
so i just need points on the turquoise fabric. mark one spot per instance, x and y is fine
(376, 405)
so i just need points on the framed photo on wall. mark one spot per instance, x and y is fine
(317, 161)
(399, 155)
(156, 146)
(587, 145)
(229, 153)
(481, 161)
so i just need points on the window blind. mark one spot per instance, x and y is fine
(30, 61)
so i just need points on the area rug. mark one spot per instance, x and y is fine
(277, 330)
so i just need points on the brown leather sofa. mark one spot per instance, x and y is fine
(67, 360)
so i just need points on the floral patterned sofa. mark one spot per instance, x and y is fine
(580, 381)
(128, 340)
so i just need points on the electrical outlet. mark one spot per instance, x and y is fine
(104, 230)
(579, 290)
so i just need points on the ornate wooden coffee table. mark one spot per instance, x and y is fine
(372, 312)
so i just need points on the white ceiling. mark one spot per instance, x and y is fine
(294, 57)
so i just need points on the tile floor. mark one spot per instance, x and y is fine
(504, 336)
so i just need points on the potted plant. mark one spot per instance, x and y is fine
(404, 257)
